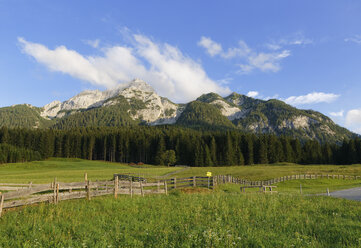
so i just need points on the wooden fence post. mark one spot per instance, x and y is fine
(194, 182)
(116, 184)
(131, 188)
(54, 191)
(1, 203)
(165, 188)
(158, 186)
(141, 188)
(328, 192)
(174, 183)
(57, 193)
(87, 187)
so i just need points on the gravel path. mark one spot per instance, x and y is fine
(350, 194)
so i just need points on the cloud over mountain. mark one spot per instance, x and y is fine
(312, 98)
(249, 59)
(164, 66)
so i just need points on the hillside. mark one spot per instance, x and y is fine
(138, 104)
(23, 116)
(199, 114)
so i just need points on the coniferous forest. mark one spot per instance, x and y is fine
(155, 145)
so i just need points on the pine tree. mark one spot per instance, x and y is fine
(229, 152)
(287, 150)
(213, 151)
(297, 150)
(261, 151)
(160, 151)
(207, 156)
(4, 135)
(248, 149)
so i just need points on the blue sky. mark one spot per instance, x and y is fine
(307, 53)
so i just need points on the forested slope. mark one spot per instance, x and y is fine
(191, 147)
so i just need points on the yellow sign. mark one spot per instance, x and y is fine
(209, 174)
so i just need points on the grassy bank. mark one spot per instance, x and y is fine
(72, 170)
(187, 220)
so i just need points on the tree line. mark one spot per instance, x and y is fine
(176, 145)
(12, 154)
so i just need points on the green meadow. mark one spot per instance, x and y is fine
(72, 170)
(265, 172)
(205, 219)
(222, 217)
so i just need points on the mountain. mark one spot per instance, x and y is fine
(137, 99)
(276, 117)
(200, 114)
(136, 103)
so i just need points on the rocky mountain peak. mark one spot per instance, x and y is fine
(140, 85)
(156, 109)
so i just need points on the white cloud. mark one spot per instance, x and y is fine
(92, 43)
(337, 114)
(171, 73)
(273, 46)
(353, 120)
(356, 39)
(69, 62)
(353, 117)
(312, 98)
(267, 61)
(241, 51)
(253, 94)
(250, 59)
(295, 39)
(212, 48)
(357, 130)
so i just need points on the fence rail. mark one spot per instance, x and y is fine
(222, 179)
(17, 195)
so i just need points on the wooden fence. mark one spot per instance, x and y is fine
(221, 179)
(16, 195)
(205, 182)
(129, 177)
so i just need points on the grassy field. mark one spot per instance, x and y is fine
(264, 172)
(68, 170)
(72, 170)
(187, 220)
(220, 218)
(314, 186)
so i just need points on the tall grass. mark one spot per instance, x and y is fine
(187, 220)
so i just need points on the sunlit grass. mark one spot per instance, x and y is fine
(187, 220)
(265, 172)
(72, 170)
(309, 186)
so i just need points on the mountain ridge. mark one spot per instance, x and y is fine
(137, 103)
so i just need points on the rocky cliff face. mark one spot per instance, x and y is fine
(154, 109)
(276, 117)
